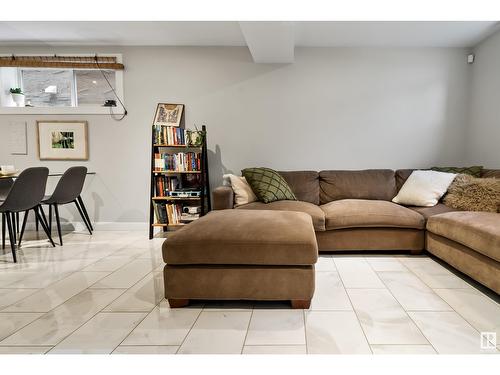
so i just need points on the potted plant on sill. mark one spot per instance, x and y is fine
(17, 96)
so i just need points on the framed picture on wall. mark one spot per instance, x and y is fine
(62, 140)
(168, 114)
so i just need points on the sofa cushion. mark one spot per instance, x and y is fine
(478, 230)
(268, 185)
(469, 193)
(304, 184)
(317, 215)
(361, 213)
(244, 237)
(424, 188)
(474, 171)
(377, 184)
(401, 177)
(427, 212)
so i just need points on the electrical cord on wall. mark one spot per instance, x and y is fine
(114, 92)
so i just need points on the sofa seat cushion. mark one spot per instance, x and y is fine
(244, 237)
(317, 215)
(479, 231)
(427, 212)
(361, 213)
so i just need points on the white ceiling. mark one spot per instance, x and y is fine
(267, 41)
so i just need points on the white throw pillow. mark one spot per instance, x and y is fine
(424, 188)
(243, 193)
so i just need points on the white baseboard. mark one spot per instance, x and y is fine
(98, 226)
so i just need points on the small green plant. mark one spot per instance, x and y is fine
(16, 90)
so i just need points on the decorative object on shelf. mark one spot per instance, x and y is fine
(17, 96)
(62, 140)
(195, 138)
(180, 191)
(169, 114)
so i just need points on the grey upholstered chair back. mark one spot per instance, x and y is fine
(27, 191)
(69, 186)
(5, 185)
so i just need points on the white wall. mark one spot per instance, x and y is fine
(332, 109)
(483, 136)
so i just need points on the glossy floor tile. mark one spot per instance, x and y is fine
(100, 335)
(383, 319)
(276, 327)
(449, 333)
(356, 272)
(412, 293)
(479, 310)
(402, 349)
(275, 349)
(217, 332)
(335, 332)
(105, 294)
(151, 349)
(164, 326)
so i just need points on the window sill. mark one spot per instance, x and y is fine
(59, 111)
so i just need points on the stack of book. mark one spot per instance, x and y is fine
(178, 162)
(169, 135)
(165, 185)
(169, 213)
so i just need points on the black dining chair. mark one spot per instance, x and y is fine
(25, 194)
(68, 190)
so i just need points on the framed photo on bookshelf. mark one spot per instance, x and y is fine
(168, 114)
(62, 140)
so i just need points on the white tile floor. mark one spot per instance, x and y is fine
(104, 294)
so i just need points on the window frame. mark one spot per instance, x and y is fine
(86, 109)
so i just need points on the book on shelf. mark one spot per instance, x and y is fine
(177, 162)
(164, 185)
(169, 135)
(172, 213)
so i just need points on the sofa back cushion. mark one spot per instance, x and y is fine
(377, 184)
(491, 173)
(401, 177)
(304, 184)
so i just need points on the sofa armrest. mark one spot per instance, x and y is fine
(223, 198)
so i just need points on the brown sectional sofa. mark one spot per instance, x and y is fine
(352, 210)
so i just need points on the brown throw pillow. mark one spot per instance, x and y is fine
(474, 194)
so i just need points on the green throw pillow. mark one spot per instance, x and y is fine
(474, 171)
(268, 185)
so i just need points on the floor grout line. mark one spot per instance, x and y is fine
(408, 315)
(355, 312)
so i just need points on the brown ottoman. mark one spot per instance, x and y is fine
(242, 255)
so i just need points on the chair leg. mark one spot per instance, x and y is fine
(3, 231)
(23, 226)
(83, 216)
(45, 228)
(44, 218)
(11, 236)
(80, 200)
(17, 222)
(58, 221)
(13, 221)
(36, 223)
(50, 218)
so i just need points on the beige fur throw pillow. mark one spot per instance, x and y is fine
(474, 194)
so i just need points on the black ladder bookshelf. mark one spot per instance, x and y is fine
(196, 180)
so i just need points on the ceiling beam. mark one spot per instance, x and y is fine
(270, 42)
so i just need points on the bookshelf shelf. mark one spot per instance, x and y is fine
(177, 146)
(175, 172)
(168, 213)
(176, 198)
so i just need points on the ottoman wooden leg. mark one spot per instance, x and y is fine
(300, 303)
(175, 303)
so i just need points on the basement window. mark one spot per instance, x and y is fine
(60, 90)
